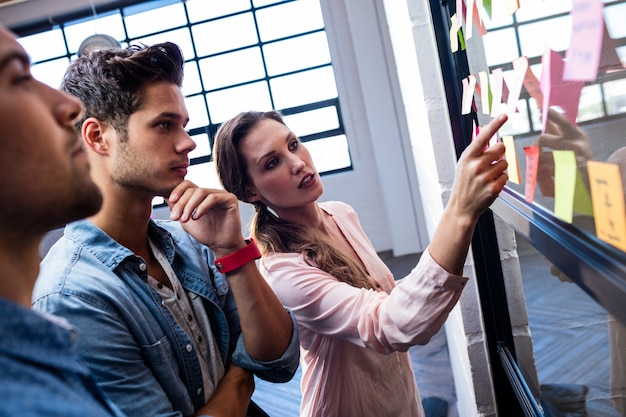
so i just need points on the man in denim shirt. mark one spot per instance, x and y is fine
(44, 183)
(164, 333)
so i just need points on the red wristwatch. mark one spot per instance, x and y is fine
(236, 260)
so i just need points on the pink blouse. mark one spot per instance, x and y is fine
(354, 341)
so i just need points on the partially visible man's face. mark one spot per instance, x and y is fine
(44, 178)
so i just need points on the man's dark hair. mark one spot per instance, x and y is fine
(110, 81)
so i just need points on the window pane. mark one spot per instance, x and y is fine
(305, 87)
(51, 72)
(225, 34)
(225, 104)
(109, 25)
(330, 153)
(615, 92)
(155, 20)
(180, 37)
(297, 53)
(207, 9)
(233, 68)
(289, 19)
(518, 122)
(198, 116)
(203, 175)
(590, 104)
(191, 80)
(534, 9)
(313, 121)
(44, 45)
(203, 147)
(614, 17)
(500, 46)
(555, 33)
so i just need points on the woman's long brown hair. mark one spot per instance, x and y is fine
(273, 234)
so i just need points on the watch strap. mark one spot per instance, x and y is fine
(237, 259)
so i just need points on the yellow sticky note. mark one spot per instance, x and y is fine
(607, 195)
(570, 193)
(511, 158)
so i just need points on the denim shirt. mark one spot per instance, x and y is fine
(39, 374)
(136, 350)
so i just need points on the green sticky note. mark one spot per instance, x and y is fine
(570, 193)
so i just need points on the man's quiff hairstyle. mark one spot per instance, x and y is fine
(110, 81)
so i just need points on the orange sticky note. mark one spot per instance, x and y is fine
(532, 161)
(570, 193)
(607, 195)
(583, 55)
(511, 158)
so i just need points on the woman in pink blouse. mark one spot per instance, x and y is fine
(355, 321)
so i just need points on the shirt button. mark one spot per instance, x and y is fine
(199, 391)
(142, 266)
(189, 348)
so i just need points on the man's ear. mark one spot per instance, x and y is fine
(93, 137)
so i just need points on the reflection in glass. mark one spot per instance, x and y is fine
(578, 347)
(500, 46)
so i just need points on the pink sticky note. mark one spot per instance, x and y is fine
(469, 84)
(532, 161)
(557, 92)
(478, 21)
(583, 55)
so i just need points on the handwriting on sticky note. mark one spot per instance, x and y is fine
(532, 161)
(511, 158)
(607, 195)
(583, 55)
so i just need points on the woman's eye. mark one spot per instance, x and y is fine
(293, 145)
(271, 163)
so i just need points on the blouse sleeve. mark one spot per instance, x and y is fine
(410, 314)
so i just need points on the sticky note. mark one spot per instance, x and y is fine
(520, 66)
(455, 25)
(583, 55)
(532, 161)
(556, 92)
(485, 92)
(511, 158)
(570, 193)
(532, 86)
(496, 80)
(469, 84)
(607, 196)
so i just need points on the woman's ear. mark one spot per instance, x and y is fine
(93, 138)
(251, 194)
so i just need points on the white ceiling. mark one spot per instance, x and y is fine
(19, 12)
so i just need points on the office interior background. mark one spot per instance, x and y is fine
(374, 90)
